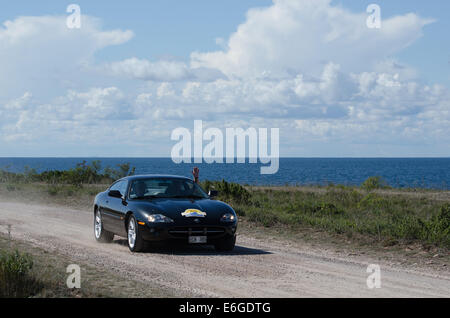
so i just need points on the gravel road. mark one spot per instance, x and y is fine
(257, 268)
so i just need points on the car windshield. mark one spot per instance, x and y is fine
(165, 188)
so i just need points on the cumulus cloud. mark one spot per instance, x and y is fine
(98, 104)
(161, 71)
(40, 54)
(293, 37)
(19, 103)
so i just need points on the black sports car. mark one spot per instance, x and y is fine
(161, 207)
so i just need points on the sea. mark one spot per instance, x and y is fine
(432, 173)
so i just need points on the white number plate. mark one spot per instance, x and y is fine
(197, 239)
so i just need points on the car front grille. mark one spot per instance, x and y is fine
(196, 231)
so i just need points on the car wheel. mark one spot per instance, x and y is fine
(226, 244)
(101, 235)
(135, 241)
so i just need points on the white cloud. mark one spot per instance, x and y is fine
(98, 104)
(146, 70)
(294, 36)
(160, 71)
(42, 55)
(19, 103)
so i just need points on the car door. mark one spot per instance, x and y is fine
(114, 211)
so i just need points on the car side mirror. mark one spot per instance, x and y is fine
(213, 193)
(115, 194)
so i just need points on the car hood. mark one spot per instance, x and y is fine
(174, 207)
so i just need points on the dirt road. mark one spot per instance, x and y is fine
(255, 269)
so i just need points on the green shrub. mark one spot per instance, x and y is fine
(326, 208)
(122, 170)
(443, 218)
(83, 173)
(206, 185)
(438, 228)
(372, 201)
(263, 217)
(228, 191)
(410, 228)
(373, 183)
(53, 190)
(11, 187)
(16, 280)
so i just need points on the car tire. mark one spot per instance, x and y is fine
(101, 235)
(134, 237)
(226, 244)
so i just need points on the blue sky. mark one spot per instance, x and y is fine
(152, 66)
(176, 28)
(168, 27)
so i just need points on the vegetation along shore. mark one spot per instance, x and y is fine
(374, 210)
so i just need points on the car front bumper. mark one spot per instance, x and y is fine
(168, 232)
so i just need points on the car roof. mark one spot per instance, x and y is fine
(148, 176)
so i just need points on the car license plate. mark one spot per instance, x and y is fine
(197, 239)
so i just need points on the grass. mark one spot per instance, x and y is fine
(16, 279)
(385, 216)
(29, 271)
(83, 173)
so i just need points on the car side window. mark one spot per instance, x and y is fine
(120, 186)
(123, 188)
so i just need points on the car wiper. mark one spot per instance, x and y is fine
(188, 196)
(146, 197)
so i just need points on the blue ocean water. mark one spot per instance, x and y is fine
(399, 172)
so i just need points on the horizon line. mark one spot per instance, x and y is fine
(287, 157)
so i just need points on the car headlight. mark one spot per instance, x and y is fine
(159, 218)
(228, 217)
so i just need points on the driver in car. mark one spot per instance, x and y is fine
(139, 189)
